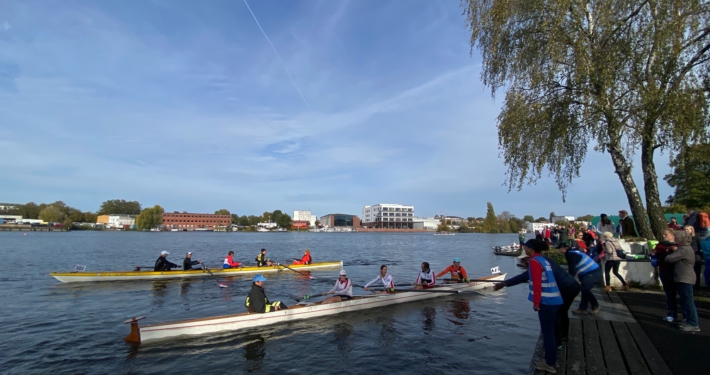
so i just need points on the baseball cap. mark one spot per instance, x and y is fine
(258, 277)
(343, 273)
(189, 253)
(457, 260)
(164, 252)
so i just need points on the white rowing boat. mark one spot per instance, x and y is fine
(69, 277)
(244, 320)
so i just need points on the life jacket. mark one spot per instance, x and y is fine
(703, 220)
(260, 260)
(550, 292)
(586, 264)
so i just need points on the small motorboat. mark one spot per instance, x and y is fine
(513, 249)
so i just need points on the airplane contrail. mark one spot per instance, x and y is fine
(277, 55)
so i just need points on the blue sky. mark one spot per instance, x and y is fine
(185, 104)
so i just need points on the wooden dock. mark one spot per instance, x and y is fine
(29, 228)
(611, 342)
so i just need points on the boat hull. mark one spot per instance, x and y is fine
(70, 277)
(299, 312)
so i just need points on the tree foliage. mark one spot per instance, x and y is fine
(623, 75)
(52, 214)
(529, 218)
(222, 211)
(490, 223)
(150, 218)
(119, 207)
(691, 177)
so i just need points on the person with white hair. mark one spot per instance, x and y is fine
(612, 260)
(342, 290)
(162, 263)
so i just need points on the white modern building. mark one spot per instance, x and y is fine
(428, 223)
(305, 215)
(532, 227)
(388, 215)
(568, 219)
(119, 221)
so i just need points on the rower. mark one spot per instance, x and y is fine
(306, 259)
(188, 262)
(261, 260)
(426, 278)
(257, 302)
(343, 289)
(457, 272)
(387, 280)
(229, 261)
(162, 263)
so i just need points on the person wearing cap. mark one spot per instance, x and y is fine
(229, 261)
(626, 225)
(162, 263)
(546, 298)
(386, 278)
(188, 262)
(569, 288)
(456, 270)
(306, 259)
(343, 289)
(426, 278)
(589, 274)
(257, 302)
(261, 260)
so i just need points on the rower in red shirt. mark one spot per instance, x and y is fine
(229, 261)
(306, 259)
(456, 270)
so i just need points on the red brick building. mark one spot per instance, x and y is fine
(190, 221)
(303, 224)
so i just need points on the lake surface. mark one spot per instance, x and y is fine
(52, 327)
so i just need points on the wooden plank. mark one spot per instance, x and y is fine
(538, 355)
(614, 297)
(605, 296)
(612, 353)
(561, 360)
(653, 359)
(575, 348)
(592, 348)
(633, 357)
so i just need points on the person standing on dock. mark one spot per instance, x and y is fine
(162, 263)
(188, 262)
(546, 298)
(589, 274)
(458, 273)
(261, 260)
(257, 302)
(386, 278)
(683, 258)
(426, 278)
(568, 286)
(229, 261)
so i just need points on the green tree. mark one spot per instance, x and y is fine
(266, 216)
(529, 218)
(689, 177)
(490, 223)
(150, 218)
(244, 221)
(625, 76)
(275, 216)
(541, 219)
(587, 217)
(67, 224)
(222, 211)
(119, 207)
(283, 220)
(89, 217)
(235, 219)
(52, 214)
(442, 227)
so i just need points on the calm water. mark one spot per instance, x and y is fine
(77, 328)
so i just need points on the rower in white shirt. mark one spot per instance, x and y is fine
(386, 278)
(343, 289)
(426, 278)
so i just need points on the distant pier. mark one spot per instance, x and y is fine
(29, 228)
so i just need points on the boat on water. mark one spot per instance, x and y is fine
(69, 277)
(513, 249)
(302, 311)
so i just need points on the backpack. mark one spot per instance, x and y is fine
(703, 220)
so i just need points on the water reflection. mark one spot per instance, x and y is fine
(255, 352)
(429, 314)
(460, 309)
(160, 290)
(342, 331)
(388, 333)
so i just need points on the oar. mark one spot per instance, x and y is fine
(374, 287)
(150, 268)
(304, 274)
(420, 290)
(308, 296)
(215, 277)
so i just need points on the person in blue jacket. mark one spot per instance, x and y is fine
(589, 274)
(705, 247)
(546, 299)
(569, 289)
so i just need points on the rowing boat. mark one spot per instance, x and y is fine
(69, 277)
(245, 320)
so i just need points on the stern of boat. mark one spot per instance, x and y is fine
(135, 336)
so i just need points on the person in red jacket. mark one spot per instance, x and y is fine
(229, 261)
(580, 242)
(456, 270)
(305, 259)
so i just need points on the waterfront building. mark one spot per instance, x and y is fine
(568, 219)
(304, 215)
(340, 220)
(191, 221)
(117, 221)
(532, 227)
(11, 218)
(428, 223)
(388, 215)
(9, 206)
